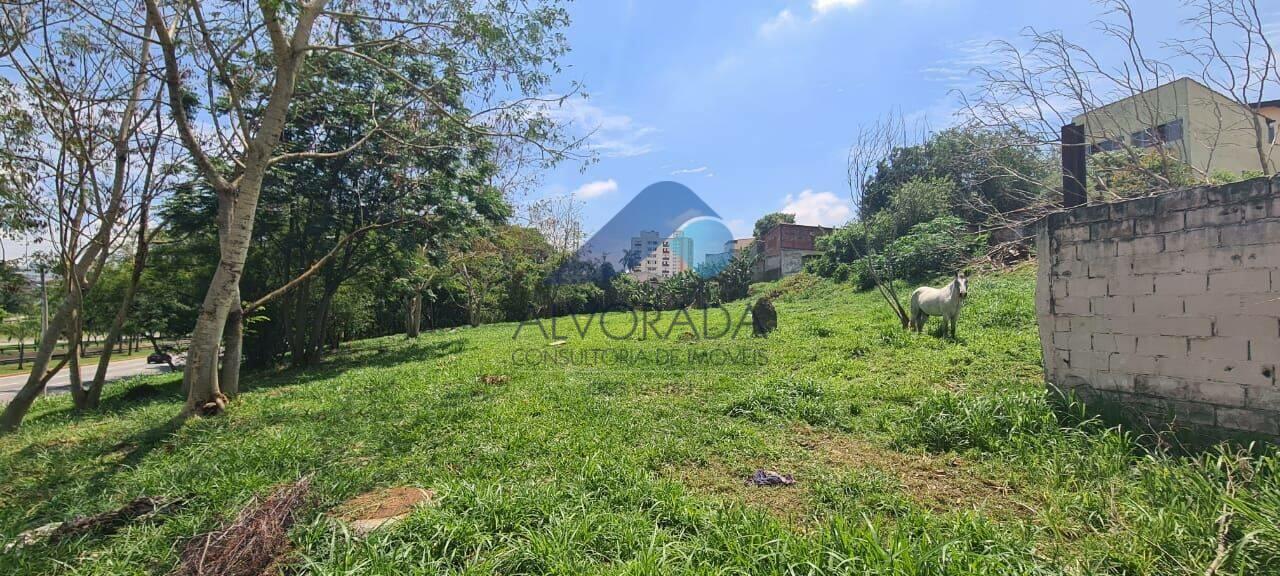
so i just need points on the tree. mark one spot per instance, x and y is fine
(249, 93)
(477, 267)
(328, 220)
(1120, 175)
(89, 87)
(768, 221)
(916, 201)
(22, 328)
(416, 282)
(735, 278)
(875, 143)
(17, 165)
(15, 290)
(990, 173)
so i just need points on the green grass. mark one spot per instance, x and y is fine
(914, 454)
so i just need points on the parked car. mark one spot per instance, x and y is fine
(159, 358)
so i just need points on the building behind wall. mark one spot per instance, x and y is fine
(731, 248)
(784, 247)
(1207, 130)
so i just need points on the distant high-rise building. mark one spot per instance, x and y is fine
(654, 257)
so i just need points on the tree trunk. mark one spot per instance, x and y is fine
(200, 376)
(79, 396)
(413, 316)
(319, 328)
(82, 274)
(122, 314)
(298, 326)
(17, 408)
(231, 357)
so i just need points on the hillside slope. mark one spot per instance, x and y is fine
(913, 454)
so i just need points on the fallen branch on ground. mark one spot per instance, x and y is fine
(252, 542)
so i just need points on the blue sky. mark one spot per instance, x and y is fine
(753, 105)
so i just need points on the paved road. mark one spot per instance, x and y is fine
(61, 383)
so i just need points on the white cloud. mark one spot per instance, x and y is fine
(782, 21)
(697, 170)
(596, 189)
(817, 208)
(786, 20)
(957, 69)
(821, 7)
(610, 134)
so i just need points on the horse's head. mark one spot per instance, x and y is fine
(962, 285)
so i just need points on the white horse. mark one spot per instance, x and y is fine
(944, 302)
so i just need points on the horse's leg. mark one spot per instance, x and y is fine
(951, 323)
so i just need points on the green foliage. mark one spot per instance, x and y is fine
(1220, 177)
(18, 146)
(918, 201)
(734, 279)
(768, 221)
(940, 246)
(16, 293)
(995, 170)
(937, 247)
(1130, 174)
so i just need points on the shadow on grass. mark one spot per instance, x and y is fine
(381, 354)
(112, 455)
(132, 393)
(132, 450)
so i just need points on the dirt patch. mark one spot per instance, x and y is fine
(725, 481)
(381, 508)
(942, 484)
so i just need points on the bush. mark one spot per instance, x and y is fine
(939, 246)
(935, 247)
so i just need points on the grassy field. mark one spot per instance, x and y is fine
(913, 454)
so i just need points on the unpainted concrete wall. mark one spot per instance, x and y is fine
(1169, 305)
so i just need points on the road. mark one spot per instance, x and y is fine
(61, 383)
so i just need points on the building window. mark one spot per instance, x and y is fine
(1105, 146)
(1271, 130)
(1142, 138)
(1171, 131)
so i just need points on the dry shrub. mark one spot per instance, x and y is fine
(250, 544)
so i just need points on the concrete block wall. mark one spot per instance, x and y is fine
(1169, 305)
